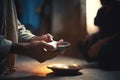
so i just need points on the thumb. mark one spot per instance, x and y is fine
(48, 46)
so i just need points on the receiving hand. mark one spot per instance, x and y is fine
(46, 38)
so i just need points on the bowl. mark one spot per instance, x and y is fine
(65, 69)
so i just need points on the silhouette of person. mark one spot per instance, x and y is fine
(104, 45)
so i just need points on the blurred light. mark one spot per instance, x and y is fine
(92, 7)
(41, 70)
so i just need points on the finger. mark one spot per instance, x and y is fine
(60, 41)
(50, 37)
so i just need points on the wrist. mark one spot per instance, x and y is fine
(33, 38)
(17, 48)
(14, 48)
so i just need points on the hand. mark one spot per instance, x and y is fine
(95, 48)
(39, 50)
(46, 37)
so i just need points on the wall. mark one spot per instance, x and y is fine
(69, 22)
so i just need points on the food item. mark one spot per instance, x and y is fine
(73, 66)
(65, 68)
(60, 66)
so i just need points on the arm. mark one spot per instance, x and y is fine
(94, 50)
(34, 49)
(5, 45)
(37, 48)
(27, 36)
(24, 35)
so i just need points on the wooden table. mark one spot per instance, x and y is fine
(29, 69)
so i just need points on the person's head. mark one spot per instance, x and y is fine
(109, 2)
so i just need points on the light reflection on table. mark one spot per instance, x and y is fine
(40, 69)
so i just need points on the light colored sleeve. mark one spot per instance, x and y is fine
(5, 45)
(23, 34)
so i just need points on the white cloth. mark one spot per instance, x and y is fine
(24, 36)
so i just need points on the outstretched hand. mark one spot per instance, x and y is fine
(39, 50)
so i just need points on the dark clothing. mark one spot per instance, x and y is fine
(108, 20)
(109, 57)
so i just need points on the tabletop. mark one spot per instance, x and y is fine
(29, 69)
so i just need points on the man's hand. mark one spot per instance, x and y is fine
(46, 38)
(38, 50)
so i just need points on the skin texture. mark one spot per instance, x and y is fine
(39, 48)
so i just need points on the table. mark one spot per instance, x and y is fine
(29, 69)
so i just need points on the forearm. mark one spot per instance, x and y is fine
(24, 35)
(108, 39)
(19, 48)
(29, 50)
(94, 49)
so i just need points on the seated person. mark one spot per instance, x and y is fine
(105, 42)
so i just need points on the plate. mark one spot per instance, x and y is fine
(63, 45)
(60, 45)
(65, 69)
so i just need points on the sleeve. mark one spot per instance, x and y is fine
(23, 34)
(5, 45)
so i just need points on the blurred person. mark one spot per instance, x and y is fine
(104, 46)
